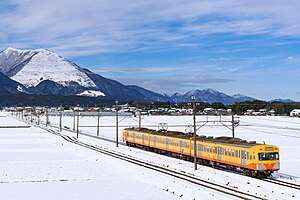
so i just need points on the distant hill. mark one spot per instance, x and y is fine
(241, 98)
(209, 95)
(282, 100)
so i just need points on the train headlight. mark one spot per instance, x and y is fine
(276, 166)
(260, 167)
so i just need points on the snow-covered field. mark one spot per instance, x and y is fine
(35, 164)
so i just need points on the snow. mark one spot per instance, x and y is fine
(9, 49)
(91, 93)
(46, 65)
(19, 88)
(10, 58)
(34, 164)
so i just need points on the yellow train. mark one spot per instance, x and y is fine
(254, 159)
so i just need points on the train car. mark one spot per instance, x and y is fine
(254, 159)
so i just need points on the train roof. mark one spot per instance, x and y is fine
(178, 134)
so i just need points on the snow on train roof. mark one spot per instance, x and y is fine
(178, 134)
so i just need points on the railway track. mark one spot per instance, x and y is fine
(177, 174)
(282, 183)
(132, 160)
(270, 180)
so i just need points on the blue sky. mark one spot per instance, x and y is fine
(249, 47)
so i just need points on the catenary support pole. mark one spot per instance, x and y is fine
(194, 122)
(117, 124)
(232, 122)
(47, 117)
(140, 119)
(74, 118)
(60, 118)
(77, 123)
(98, 122)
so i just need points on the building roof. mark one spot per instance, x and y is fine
(188, 136)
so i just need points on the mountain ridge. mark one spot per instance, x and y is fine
(44, 72)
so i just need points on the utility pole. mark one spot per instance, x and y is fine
(38, 117)
(232, 123)
(194, 120)
(117, 124)
(60, 118)
(77, 122)
(74, 116)
(140, 119)
(98, 123)
(47, 117)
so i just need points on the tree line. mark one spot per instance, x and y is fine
(280, 108)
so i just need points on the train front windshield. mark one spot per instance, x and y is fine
(268, 156)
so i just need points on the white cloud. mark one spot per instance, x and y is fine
(75, 27)
(291, 59)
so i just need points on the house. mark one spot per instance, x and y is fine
(249, 112)
(263, 111)
(295, 113)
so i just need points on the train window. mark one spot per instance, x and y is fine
(232, 153)
(236, 153)
(247, 155)
(214, 150)
(229, 152)
(186, 145)
(225, 152)
(210, 149)
(199, 147)
(268, 156)
(250, 156)
(207, 149)
(253, 155)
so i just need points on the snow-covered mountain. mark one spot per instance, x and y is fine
(282, 100)
(32, 67)
(241, 98)
(209, 95)
(44, 72)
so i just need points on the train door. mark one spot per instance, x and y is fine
(167, 144)
(220, 153)
(181, 146)
(133, 137)
(143, 139)
(244, 156)
(200, 149)
(154, 140)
